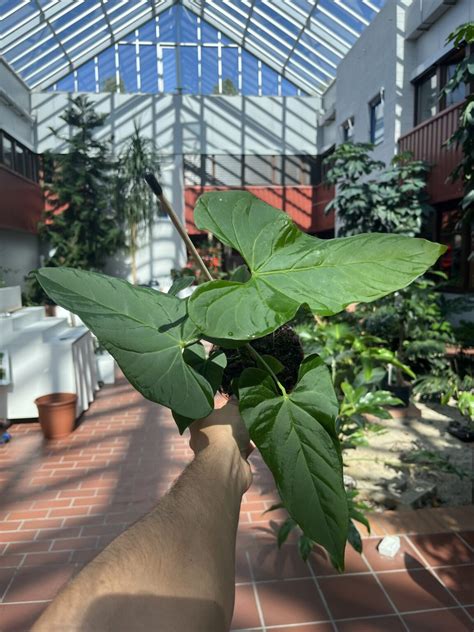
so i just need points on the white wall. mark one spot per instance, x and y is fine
(12, 119)
(19, 253)
(188, 124)
(194, 124)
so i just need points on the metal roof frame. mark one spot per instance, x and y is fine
(302, 40)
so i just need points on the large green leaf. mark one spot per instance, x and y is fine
(210, 367)
(147, 332)
(290, 268)
(296, 436)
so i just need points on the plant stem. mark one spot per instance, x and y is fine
(258, 358)
(158, 191)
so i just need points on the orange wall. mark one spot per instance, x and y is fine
(21, 202)
(304, 204)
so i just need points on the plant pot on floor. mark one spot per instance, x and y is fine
(463, 432)
(402, 391)
(57, 414)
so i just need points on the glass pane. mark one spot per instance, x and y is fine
(269, 81)
(189, 74)
(66, 84)
(208, 33)
(427, 98)
(210, 84)
(459, 93)
(258, 170)
(230, 77)
(188, 27)
(288, 89)
(20, 160)
(86, 77)
(128, 67)
(376, 122)
(106, 61)
(147, 32)
(169, 70)
(7, 152)
(148, 69)
(167, 22)
(249, 74)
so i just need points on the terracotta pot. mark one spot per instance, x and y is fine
(57, 414)
(50, 310)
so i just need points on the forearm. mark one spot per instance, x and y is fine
(172, 570)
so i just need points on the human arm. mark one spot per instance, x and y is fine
(173, 570)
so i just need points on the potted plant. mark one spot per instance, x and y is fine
(156, 339)
(57, 414)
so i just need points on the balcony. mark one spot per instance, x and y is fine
(304, 204)
(427, 142)
(21, 201)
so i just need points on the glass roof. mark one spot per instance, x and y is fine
(302, 40)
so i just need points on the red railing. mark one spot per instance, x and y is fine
(427, 142)
(304, 204)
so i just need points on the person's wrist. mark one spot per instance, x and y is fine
(225, 453)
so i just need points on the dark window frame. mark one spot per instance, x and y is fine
(439, 68)
(30, 159)
(373, 103)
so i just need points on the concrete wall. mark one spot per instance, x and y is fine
(12, 119)
(19, 251)
(188, 124)
(390, 54)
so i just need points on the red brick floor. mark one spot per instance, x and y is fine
(62, 502)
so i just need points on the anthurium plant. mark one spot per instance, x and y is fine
(157, 338)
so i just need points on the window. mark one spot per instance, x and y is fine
(457, 95)
(7, 153)
(429, 96)
(17, 157)
(348, 130)
(426, 97)
(376, 120)
(249, 170)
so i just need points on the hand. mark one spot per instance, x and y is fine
(224, 429)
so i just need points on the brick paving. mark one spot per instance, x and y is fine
(63, 502)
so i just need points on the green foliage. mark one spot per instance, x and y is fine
(290, 268)
(147, 332)
(413, 324)
(464, 136)
(394, 201)
(359, 365)
(110, 84)
(80, 226)
(155, 339)
(465, 403)
(296, 435)
(428, 460)
(134, 199)
(228, 88)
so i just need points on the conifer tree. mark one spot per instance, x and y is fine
(80, 224)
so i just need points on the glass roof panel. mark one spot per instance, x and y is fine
(302, 40)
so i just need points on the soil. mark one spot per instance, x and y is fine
(385, 472)
(283, 344)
